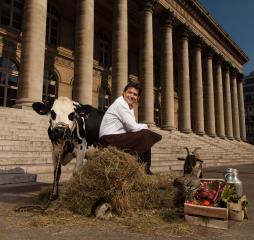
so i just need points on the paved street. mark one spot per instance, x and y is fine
(10, 197)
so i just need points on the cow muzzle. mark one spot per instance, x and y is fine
(60, 132)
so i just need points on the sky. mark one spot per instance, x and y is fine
(236, 17)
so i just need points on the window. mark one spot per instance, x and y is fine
(8, 82)
(104, 94)
(52, 31)
(104, 99)
(11, 13)
(105, 53)
(157, 109)
(49, 86)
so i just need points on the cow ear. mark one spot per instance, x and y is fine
(79, 111)
(41, 108)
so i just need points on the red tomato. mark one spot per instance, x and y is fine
(205, 203)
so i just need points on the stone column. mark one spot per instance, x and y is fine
(218, 93)
(197, 90)
(83, 68)
(209, 94)
(241, 108)
(167, 76)
(184, 82)
(32, 53)
(227, 102)
(119, 48)
(146, 64)
(235, 110)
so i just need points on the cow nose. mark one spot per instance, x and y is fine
(58, 132)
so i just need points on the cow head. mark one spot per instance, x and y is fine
(63, 117)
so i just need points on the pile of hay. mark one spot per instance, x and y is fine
(117, 178)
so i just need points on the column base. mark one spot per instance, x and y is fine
(230, 138)
(185, 130)
(24, 103)
(213, 135)
(167, 128)
(222, 137)
(200, 133)
(150, 124)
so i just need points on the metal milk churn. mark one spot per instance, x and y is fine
(230, 176)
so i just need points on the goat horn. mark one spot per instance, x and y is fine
(188, 151)
(194, 152)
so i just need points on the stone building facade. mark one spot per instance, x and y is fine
(190, 68)
(248, 89)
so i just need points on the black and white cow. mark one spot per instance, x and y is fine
(72, 128)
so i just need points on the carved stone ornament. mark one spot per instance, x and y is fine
(184, 31)
(167, 18)
(149, 5)
(209, 52)
(197, 42)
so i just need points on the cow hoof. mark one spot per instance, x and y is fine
(54, 197)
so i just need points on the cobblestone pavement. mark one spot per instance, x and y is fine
(11, 196)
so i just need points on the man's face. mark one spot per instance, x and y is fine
(131, 96)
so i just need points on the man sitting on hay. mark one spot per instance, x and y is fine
(120, 129)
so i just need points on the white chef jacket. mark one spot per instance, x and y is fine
(119, 118)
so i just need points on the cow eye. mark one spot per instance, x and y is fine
(53, 114)
(71, 116)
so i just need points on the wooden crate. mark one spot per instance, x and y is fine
(206, 216)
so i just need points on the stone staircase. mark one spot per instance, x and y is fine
(214, 151)
(25, 150)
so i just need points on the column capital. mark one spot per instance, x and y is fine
(149, 5)
(197, 41)
(240, 77)
(226, 65)
(184, 31)
(209, 52)
(167, 18)
(234, 72)
(218, 59)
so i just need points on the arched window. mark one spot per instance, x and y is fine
(8, 82)
(49, 86)
(52, 31)
(105, 52)
(11, 13)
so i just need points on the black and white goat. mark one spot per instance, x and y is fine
(192, 163)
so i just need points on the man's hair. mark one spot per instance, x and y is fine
(135, 85)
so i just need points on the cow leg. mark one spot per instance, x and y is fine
(80, 150)
(57, 174)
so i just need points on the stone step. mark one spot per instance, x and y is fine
(26, 137)
(25, 148)
(24, 155)
(25, 133)
(28, 160)
(31, 143)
